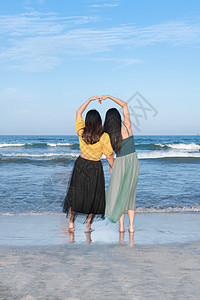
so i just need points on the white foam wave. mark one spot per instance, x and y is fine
(58, 144)
(178, 209)
(141, 155)
(11, 145)
(51, 155)
(158, 154)
(140, 210)
(191, 146)
(32, 214)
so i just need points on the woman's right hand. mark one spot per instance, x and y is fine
(103, 97)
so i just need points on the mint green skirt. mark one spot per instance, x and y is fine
(121, 191)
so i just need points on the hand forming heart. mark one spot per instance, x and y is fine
(103, 97)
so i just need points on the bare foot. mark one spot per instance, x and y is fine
(71, 227)
(131, 229)
(88, 229)
(121, 229)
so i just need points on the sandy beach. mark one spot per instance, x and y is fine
(160, 261)
(100, 272)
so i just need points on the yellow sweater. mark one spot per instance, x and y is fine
(94, 151)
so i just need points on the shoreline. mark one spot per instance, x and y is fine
(150, 229)
(170, 210)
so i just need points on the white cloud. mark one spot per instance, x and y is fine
(121, 62)
(10, 91)
(105, 5)
(36, 42)
(30, 112)
(20, 111)
(35, 24)
(40, 2)
(37, 64)
(13, 95)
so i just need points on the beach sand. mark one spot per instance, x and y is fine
(96, 268)
(100, 272)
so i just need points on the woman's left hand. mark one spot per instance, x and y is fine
(94, 98)
(103, 97)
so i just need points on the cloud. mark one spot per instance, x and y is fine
(13, 96)
(10, 91)
(36, 42)
(40, 2)
(121, 62)
(104, 5)
(21, 111)
(36, 24)
(30, 112)
(36, 64)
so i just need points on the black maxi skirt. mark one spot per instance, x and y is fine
(86, 192)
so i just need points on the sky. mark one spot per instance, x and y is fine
(54, 55)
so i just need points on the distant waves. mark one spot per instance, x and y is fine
(165, 151)
(37, 145)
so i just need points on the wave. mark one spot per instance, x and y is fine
(31, 213)
(75, 146)
(169, 154)
(35, 145)
(150, 146)
(159, 146)
(140, 210)
(11, 145)
(36, 155)
(58, 144)
(188, 147)
(174, 209)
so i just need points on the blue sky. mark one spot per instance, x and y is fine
(56, 54)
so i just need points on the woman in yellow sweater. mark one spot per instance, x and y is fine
(86, 193)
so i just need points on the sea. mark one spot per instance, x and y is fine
(35, 172)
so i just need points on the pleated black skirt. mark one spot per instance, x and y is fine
(86, 192)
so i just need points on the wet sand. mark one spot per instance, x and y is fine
(40, 260)
(154, 228)
(100, 272)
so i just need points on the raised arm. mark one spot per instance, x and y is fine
(124, 106)
(84, 105)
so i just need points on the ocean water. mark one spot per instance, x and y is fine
(35, 170)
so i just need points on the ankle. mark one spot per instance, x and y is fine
(121, 226)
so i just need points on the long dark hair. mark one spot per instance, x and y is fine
(112, 126)
(93, 127)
